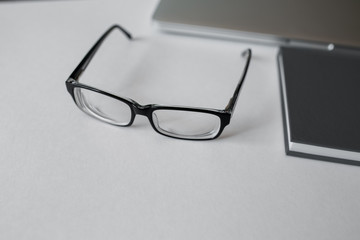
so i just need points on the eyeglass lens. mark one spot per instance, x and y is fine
(103, 107)
(186, 124)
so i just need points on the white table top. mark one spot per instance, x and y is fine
(64, 175)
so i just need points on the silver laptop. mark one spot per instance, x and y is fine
(271, 21)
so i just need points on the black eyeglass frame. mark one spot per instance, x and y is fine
(147, 110)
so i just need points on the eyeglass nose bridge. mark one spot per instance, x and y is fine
(144, 110)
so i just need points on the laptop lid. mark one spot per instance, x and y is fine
(319, 21)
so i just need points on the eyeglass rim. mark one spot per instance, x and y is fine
(148, 109)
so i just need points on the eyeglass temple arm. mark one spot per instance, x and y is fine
(87, 59)
(232, 103)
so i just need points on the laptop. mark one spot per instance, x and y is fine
(319, 59)
(335, 22)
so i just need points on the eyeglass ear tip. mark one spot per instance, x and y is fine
(246, 53)
(123, 30)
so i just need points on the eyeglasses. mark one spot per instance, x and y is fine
(172, 121)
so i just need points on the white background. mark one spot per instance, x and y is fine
(64, 175)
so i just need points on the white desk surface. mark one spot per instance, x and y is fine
(64, 175)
